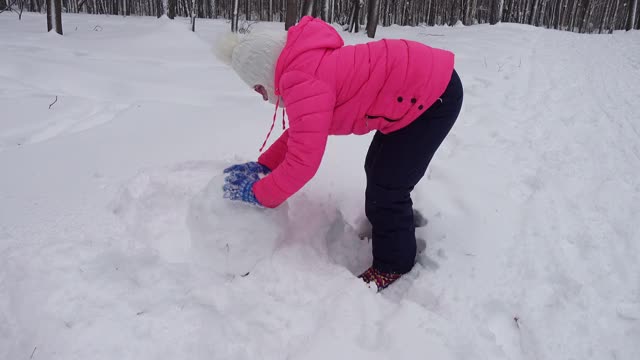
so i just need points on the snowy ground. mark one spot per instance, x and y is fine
(115, 244)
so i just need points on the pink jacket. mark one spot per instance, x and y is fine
(332, 89)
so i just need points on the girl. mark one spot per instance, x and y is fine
(406, 91)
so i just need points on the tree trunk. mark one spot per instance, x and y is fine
(58, 4)
(470, 12)
(351, 14)
(605, 17)
(235, 16)
(354, 25)
(612, 22)
(631, 19)
(588, 10)
(292, 14)
(194, 14)
(454, 13)
(50, 13)
(563, 18)
(362, 14)
(558, 10)
(307, 7)
(574, 12)
(171, 8)
(324, 14)
(54, 15)
(496, 11)
(540, 21)
(387, 15)
(534, 12)
(159, 8)
(372, 19)
(332, 11)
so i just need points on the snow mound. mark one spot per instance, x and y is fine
(178, 213)
(233, 237)
(170, 212)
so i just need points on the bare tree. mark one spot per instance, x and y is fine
(235, 16)
(292, 14)
(171, 8)
(470, 12)
(194, 14)
(613, 16)
(631, 19)
(159, 8)
(307, 7)
(354, 22)
(54, 15)
(324, 14)
(453, 14)
(496, 11)
(605, 17)
(586, 15)
(558, 13)
(372, 18)
(386, 13)
(534, 11)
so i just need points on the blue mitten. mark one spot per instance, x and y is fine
(239, 186)
(248, 168)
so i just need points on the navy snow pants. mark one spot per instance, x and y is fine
(394, 164)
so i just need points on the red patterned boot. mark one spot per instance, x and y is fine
(378, 278)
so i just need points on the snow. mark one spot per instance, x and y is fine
(115, 242)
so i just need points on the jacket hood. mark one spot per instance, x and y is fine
(308, 34)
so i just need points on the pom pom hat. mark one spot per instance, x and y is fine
(253, 57)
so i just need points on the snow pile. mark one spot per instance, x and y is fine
(232, 236)
(115, 241)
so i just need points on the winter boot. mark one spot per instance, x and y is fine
(377, 279)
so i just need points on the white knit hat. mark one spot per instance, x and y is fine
(254, 57)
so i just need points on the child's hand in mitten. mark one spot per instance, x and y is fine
(248, 168)
(239, 186)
